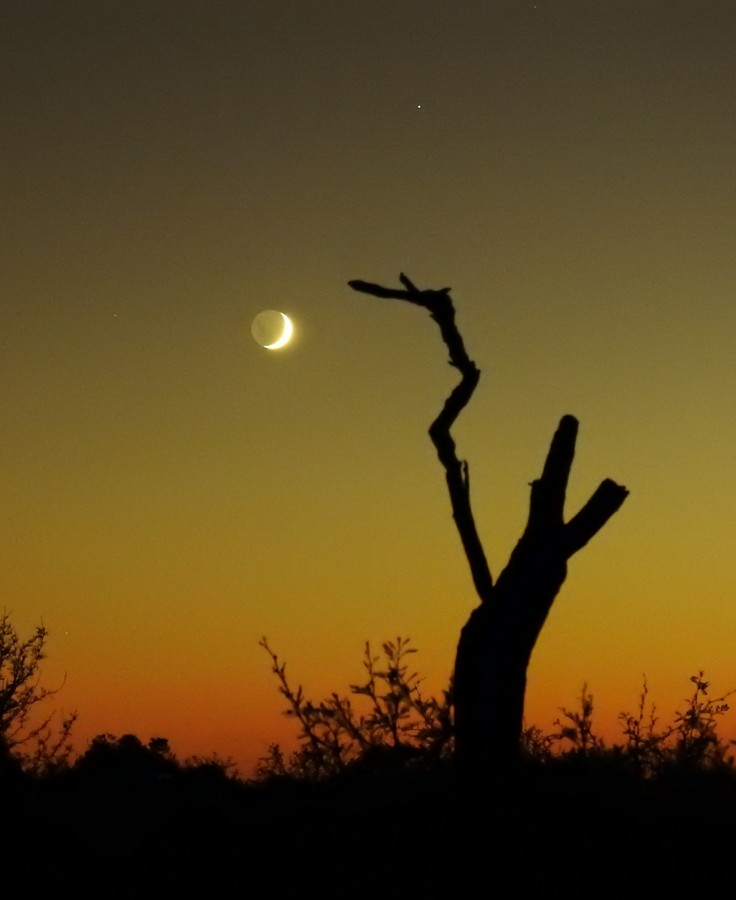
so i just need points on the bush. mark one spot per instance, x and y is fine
(26, 734)
(126, 759)
(397, 723)
(401, 725)
(691, 742)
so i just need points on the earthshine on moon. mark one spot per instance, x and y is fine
(272, 329)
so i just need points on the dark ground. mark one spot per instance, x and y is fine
(569, 831)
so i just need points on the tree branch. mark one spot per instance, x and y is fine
(548, 492)
(605, 501)
(439, 305)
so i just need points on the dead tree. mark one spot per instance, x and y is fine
(496, 643)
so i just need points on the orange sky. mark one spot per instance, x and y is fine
(171, 492)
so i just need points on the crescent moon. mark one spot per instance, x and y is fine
(285, 334)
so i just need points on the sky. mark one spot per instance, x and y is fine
(170, 492)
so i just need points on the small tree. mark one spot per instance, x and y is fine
(25, 731)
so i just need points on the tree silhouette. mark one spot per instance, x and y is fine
(496, 643)
(23, 733)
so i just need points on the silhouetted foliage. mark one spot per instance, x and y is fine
(403, 727)
(212, 769)
(386, 814)
(126, 758)
(127, 761)
(578, 726)
(26, 733)
(690, 741)
(396, 722)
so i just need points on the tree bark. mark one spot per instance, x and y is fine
(496, 643)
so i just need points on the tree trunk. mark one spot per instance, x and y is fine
(496, 643)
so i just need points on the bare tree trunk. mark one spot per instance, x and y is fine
(497, 641)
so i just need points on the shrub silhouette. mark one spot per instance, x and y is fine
(126, 761)
(26, 734)
(403, 727)
(398, 723)
(126, 758)
(690, 742)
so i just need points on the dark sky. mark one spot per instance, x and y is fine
(170, 491)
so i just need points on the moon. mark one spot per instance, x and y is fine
(272, 329)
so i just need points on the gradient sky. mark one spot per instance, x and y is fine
(170, 491)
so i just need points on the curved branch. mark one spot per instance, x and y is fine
(439, 305)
